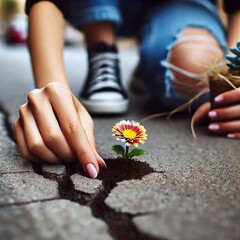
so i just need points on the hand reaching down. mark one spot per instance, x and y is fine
(54, 127)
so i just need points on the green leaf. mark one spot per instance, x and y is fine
(137, 152)
(118, 149)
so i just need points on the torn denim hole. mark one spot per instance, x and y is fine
(169, 76)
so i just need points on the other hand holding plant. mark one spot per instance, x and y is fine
(131, 133)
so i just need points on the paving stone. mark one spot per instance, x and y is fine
(14, 164)
(156, 191)
(56, 172)
(84, 188)
(26, 187)
(200, 174)
(86, 184)
(209, 196)
(58, 219)
(179, 224)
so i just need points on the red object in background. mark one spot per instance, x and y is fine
(16, 32)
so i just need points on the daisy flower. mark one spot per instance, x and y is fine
(131, 133)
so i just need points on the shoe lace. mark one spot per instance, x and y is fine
(103, 71)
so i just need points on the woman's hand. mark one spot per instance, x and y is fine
(226, 118)
(53, 126)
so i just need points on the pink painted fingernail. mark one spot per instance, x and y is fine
(212, 114)
(231, 135)
(218, 99)
(213, 127)
(91, 170)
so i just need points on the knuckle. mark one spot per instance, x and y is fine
(32, 98)
(71, 128)
(22, 110)
(35, 146)
(50, 137)
(53, 89)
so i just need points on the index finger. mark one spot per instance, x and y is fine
(62, 103)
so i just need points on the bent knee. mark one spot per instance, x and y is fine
(194, 50)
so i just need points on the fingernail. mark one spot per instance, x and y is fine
(231, 135)
(218, 99)
(91, 170)
(212, 114)
(213, 127)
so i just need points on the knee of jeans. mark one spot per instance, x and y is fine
(195, 48)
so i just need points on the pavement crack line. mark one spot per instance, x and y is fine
(120, 225)
(26, 202)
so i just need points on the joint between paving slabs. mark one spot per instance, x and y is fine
(27, 202)
(119, 224)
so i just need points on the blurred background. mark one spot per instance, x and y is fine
(13, 24)
(16, 78)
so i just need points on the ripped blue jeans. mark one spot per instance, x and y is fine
(162, 32)
(158, 30)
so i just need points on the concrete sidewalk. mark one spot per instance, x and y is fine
(185, 189)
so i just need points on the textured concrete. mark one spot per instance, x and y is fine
(55, 220)
(56, 172)
(86, 185)
(26, 187)
(177, 224)
(10, 158)
(194, 192)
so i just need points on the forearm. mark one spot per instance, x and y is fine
(233, 29)
(46, 42)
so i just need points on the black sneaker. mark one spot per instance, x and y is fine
(103, 92)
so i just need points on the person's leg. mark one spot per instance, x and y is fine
(172, 57)
(103, 92)
(99, 32)
(196, 47)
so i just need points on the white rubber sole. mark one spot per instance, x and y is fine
(106, 107)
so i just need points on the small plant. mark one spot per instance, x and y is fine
(234, 61)
(131, 133)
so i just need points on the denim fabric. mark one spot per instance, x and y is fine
(157, 34)
(160, 33)
(157, 28)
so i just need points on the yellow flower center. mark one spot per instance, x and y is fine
(128, 133)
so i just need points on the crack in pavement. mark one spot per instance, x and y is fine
(27, 202)
(119, 224)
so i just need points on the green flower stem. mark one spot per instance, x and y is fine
(127, 149)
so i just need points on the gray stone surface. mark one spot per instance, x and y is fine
(56, 172)
(26, 187)
(205, 201)
(195, 197)
(186, 188)
(86, 185)
(10, 158)
(55, 220)
(178, 224)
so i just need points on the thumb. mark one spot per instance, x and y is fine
(201, 113)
